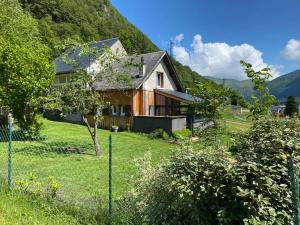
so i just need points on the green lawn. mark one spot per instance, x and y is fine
(235, 122)
(81, 176)
(18, 209)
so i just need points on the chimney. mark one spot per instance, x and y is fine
(143, 67)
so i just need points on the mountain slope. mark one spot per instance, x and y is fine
(286, 85)
(90, 20)
(244, 87)
(281, 87)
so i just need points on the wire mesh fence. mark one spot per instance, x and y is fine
(52, 167)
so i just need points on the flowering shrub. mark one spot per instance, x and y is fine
(33, 186)
(196, 187)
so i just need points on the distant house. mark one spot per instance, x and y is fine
(278, 110)
(155, 99)
(239, 109)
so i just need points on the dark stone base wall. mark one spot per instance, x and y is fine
(147, 124)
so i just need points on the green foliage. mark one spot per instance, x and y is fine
(33, 186)
(196, 187)
(237, 99)
(182, 134)
(85, 21)
(214, 98)
(187, 76)
(159, 134)
(25, 66)
(81, 94)
(260, 105)
(291, 106)
(92, 20)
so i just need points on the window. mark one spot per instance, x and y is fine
(117, 51)
(122, 110)
(113, 110)
(160, 80)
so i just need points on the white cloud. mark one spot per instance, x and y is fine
(292, 50)
(179, 38)
(220, 59)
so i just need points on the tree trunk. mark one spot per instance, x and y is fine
(94, 134)
(96, 141)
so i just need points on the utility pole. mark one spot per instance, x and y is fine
(171, 48)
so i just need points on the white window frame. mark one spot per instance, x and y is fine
(113, 110)
(159, 79)
(122, 110)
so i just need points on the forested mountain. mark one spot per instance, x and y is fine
(90, 20)
(286, 85)
(244, 87)
(281, 87)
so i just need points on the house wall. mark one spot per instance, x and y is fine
(147, 98)
(151, 83)
(118, 49)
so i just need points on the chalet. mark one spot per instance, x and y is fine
(154, 99)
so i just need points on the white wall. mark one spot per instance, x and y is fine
(151, 83)
(116, 49)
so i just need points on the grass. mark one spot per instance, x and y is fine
(67, 153)
(81, 176)
(235, 122)
(18, 209)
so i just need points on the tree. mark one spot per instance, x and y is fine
(291, 106)
(260, 105)
(25, 66)
(214, 97)
(85, 93)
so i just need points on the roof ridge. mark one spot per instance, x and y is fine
(152, 52)
(109, 39)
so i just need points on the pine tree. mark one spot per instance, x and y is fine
(291, 106)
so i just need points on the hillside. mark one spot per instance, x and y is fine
(89, 20)
(286, 85)
(281, 87)
(243, 87)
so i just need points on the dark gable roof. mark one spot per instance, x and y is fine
(151, 61)
(62, 67)
(184, 97)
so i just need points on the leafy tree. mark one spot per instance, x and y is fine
(291, 106)
(85, 93)
(25, 66)
(214, 97)
(237, 99)
(260, 105)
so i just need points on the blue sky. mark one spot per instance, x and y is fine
(211, 36)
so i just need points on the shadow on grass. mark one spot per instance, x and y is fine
(60, 148)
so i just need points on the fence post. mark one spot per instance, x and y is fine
(294, 189)
(110, 179)
(9, 174)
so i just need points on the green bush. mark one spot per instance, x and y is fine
(197, 187)
(159, 134)
(35, 187)
(182, 134)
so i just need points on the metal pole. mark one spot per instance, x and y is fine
(110, 178)
(9, 174)
(294, 189)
